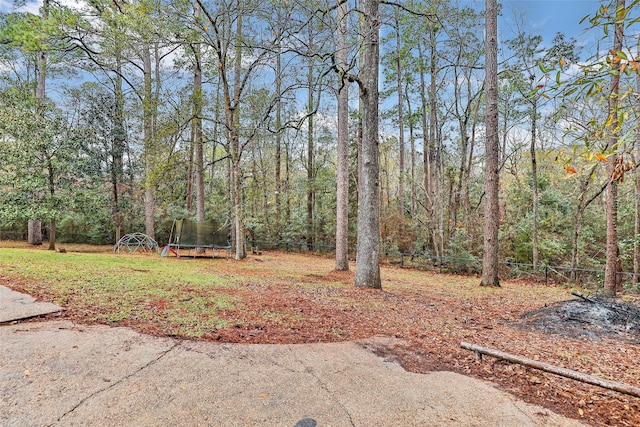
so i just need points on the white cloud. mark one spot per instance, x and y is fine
(7, 6)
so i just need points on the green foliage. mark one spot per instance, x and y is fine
(23, 30)
(37, 155)
(83, 128)
(463, 260)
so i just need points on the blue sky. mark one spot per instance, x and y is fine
(542, 17)
(548, 17)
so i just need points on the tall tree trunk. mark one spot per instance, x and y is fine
(456, 193)
(427, 156)
(52, 193)
(189, 198)
(197, 125)
(412, 155)
(636, 226)
(278, 155)
(342, 191)
(491, 210)
(197, 135)
(42, 66)
(119, 141)
(147, 101)
(463, 120)
(612, 250)
(34, 232)
(230, 197)
(434, 145)
(534, 181)
(310, 130)
(368, 254)
(401, 175)
(287, 180)
(236, 171)
(466, 198)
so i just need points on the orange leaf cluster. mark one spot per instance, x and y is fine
(571, 170)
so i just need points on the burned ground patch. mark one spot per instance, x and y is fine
(594, 318)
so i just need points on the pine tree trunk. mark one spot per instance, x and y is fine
(342, 191)
(491, 210)
(34, 230)
(52, 192)
(612, 250)
(434, 146)
(636, 227)
(197, 129)
(310, 149)
(278, 154)
(234, 125)
(368, 254)
(119, 141)
(149, 197)
(189, 199)
(412, 166)
(428, 153)
(534, 185)
(197, 136)
(401, 174)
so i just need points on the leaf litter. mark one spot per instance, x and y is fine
(422, 318)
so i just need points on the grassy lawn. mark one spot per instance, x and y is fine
(182, 295)
(191, 297)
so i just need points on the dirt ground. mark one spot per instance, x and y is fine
(430, 326)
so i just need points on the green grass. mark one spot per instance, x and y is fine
(183, 295)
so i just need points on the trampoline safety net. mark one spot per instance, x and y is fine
(187, 233)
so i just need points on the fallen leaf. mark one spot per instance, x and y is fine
(264, 395)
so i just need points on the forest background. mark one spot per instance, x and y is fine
(123, 116)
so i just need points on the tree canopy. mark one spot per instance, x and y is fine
(234, 111)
